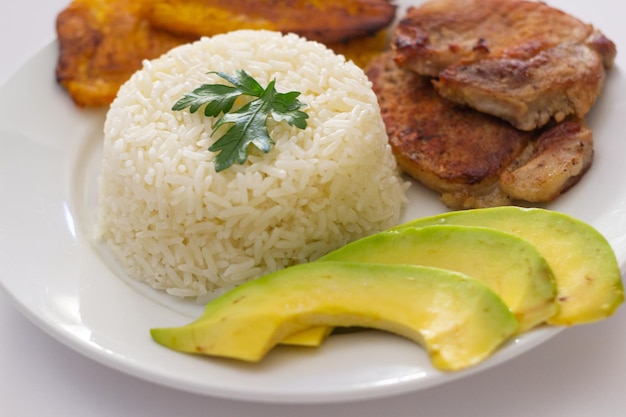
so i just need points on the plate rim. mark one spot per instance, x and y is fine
(130, 367)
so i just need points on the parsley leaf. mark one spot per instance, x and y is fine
(248, 124)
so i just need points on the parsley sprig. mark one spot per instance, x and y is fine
(249, 122)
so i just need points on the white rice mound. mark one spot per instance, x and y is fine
(176, 224)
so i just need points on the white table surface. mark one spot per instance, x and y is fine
(581, 372)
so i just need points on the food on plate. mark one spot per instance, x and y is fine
(511, 266)
(551, 164)
(588, 278)
(362, 50)
(529, 84)
(324, 21)
(102, 43)
(520, 60)
(359, 286)
(311, 337)
(175, 223)
(458, 320)
(471, 158)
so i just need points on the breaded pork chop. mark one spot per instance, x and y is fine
(519, 60)
(471, 158)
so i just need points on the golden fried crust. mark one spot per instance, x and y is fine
(519, 60)
(553, 84)
(101, 44)
(552, 164)
(321, 20)
(473, 159)
(450, 149)
(444, 32)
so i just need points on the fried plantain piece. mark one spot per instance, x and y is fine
(325, 21)
(101, 43)
(363, 49)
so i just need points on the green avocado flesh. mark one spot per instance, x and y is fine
(588, 278)
(509, 265)
(457, 319)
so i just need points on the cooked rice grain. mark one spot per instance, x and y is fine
(175, 223)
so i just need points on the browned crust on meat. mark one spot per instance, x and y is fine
(555, 83)
(519, 60)
(455, 151)
(552, 164)
(473, 159)
(440, 33)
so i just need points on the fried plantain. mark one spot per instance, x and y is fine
(325, 21)
(102, 42)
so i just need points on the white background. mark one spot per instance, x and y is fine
(581, 372)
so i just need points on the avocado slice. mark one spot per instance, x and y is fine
(588, 278)
(311, 337)
(509, 265)
(458, 320)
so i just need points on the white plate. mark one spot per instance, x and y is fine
(64, 283)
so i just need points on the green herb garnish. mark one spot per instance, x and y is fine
(249, 122)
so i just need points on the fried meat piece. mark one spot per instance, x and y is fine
(325, 21)
(551, 164)
(473, 159)
(519, 60)
(101, 43)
